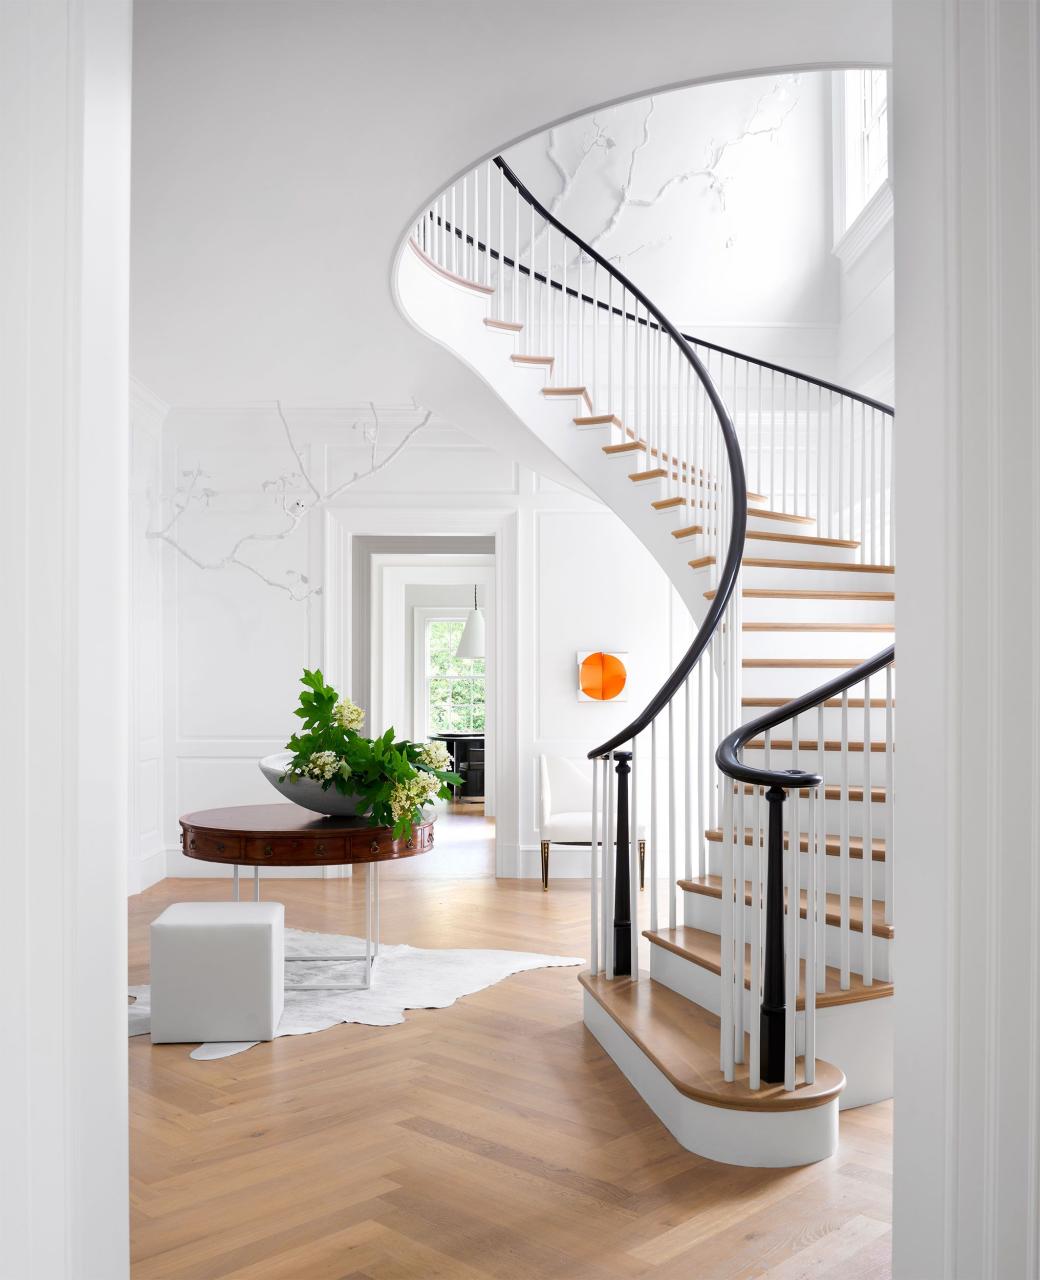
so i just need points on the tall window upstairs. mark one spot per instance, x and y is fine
(862, 196)
(455, 687)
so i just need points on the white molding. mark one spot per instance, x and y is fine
(872, 219)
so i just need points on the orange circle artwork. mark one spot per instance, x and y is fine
(602, 676)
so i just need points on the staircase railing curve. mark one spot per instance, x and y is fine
(782, 933)
(698, 426)
(637, 377)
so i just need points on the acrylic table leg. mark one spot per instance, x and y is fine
(234, 886)
(256, 884)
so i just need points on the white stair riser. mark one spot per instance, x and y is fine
(832, 870)
(790, 682)
(792, 609)
(814, 644)
(768, 524)
(703, 912)
(809, 720)
(830, 769)
(830, 821)
(858, 1037)
(783, 579)
(763, 1140)
(767, 549)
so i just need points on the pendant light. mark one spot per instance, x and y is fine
(471, 642)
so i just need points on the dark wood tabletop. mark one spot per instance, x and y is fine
(286, 835)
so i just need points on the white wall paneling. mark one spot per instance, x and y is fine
(64, 262)
(967, 1069)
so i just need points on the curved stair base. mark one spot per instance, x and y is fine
(755, 1137)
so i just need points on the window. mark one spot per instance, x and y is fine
(455, 687)
(865, 109)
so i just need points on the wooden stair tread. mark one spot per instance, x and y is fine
(780, 515)
(770, 593)
(831, 791)
(569, 391)
(831, 566)
(507, 326)
(682, 1040)
(831, 702)
(819, 626)
(711, 887)
(705, 949)
(688, 531)
(842, 663)
(801, 539)
(629, 446)
(832, 843)
(597, 420)
(540, 361)
(805, 744)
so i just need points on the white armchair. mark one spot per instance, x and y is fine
(566, 809)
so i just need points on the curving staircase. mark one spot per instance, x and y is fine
(764, 766)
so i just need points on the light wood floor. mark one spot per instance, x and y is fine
(494, 1138)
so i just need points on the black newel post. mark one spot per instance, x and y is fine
(774, 1012)
(622, 902)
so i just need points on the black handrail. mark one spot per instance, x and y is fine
(844, 392)
(727, 757)
(735, 550)
(461, 234)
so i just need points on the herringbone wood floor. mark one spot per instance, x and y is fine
(494, 1138)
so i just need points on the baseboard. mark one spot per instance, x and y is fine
(142, 873)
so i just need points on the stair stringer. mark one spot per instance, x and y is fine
(451, 315)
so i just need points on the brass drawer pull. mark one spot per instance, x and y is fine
(268, 851)
(220, 846)
(191, 844)
(320, 850)
(409, 843)
(374, 847)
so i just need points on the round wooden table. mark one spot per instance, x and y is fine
(285, 835)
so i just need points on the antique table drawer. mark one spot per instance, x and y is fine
(287, 851)
(211, 847)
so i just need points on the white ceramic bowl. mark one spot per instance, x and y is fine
(307, 792)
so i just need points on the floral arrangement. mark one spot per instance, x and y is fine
(395, 779)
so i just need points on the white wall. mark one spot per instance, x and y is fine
(716, 201)
(64, 257)
(967, 1083)
(569, 576)
(146, 858)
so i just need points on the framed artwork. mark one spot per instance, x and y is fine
(602, 675)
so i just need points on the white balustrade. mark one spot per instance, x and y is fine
(809, 449)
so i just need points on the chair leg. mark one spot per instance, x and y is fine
(642, 864)
(545, 865)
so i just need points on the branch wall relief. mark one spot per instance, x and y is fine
(288, 499)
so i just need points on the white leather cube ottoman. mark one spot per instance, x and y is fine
(218, 971)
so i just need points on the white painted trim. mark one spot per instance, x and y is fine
(342, 525)
(754, 1139)
(872, 219)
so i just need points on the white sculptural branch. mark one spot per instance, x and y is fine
(295, 506)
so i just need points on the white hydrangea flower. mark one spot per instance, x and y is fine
(408, 796)
(348, 715)
(435, 755)
(323, 765)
